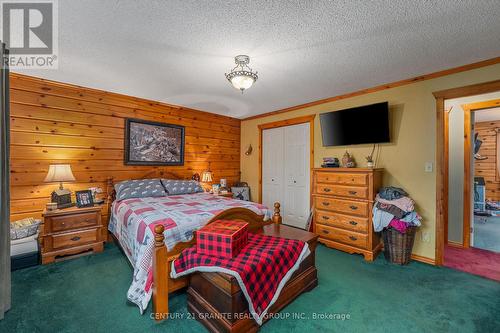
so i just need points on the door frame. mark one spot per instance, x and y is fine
(441, 158)
(468, 109)
(283, 123)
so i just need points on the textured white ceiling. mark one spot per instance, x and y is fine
(178, 51)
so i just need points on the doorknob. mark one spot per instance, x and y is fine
(295, 182)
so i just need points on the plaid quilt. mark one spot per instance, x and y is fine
(133, 220)
(262, 268)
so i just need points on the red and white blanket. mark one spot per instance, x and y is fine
(133, 221)
(262, 268)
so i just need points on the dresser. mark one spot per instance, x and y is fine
(343, 202)
(71, 231)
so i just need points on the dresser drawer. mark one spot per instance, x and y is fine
(343, 191)
(342, 178)
(75, 238)
(358, 224)
(342, 206)
(71, 222)
(342, 236)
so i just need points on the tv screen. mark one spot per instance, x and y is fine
(365, 124)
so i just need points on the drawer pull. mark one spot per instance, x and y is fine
(325, 203)
(325, 217)
(325, 232)
(353, 223)
(327, 189)
(352, 238)
(353, 207)
(76, 238)
(353, 192)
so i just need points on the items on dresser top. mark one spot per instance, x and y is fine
(330, 162)
(343, 202)
(71, 231)
(348, 161)
(60, 173)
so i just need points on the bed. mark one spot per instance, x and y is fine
(153, 231)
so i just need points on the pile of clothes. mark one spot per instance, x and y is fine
(393, 208)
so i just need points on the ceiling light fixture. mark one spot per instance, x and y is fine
(242, 77)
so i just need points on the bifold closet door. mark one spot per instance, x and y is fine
(272, 166)
(286, 173)
(296, 175)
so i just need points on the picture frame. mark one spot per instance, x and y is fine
(84, 198)
(241, 192)
(153, 143)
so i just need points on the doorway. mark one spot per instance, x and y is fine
(286, 160)
(482, 153)
(469, 154)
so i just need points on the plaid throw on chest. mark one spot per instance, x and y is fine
(262, 268)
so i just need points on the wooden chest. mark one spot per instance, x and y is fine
(216, 300)
(343, 203)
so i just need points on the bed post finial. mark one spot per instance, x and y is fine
(159, 238)
(276, 216)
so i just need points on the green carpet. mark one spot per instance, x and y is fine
(88, 295)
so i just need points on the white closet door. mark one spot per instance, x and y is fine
(296, 175)
(272, 166)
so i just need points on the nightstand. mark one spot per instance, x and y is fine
(71, 232)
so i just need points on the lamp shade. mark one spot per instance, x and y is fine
(206, 176)
(59, 173)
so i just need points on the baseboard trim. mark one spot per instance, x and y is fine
(455, 244)
(425, 260)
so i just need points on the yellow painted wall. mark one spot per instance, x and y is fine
(413, 120)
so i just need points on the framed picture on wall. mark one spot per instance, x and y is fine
(152, 143)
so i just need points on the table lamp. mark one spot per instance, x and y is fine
(60, 173)
(206, 177)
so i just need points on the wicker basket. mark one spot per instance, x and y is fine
(398, 246)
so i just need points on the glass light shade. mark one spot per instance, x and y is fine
(59, 173)
(206, 176)
(242, 82)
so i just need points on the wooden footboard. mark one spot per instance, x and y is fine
(162, 259)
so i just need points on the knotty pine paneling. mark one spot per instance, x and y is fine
(53, 122)
(488, 168)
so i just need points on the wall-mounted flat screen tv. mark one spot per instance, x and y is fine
(360, 125)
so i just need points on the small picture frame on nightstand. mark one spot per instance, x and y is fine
(84, 198)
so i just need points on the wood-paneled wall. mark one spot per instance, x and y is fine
(488, 168)
(53, 122)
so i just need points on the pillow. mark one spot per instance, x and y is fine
(175, 186)
(139, 188)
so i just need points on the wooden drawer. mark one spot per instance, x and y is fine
(358, 224)
(342, 236)
(343, 191)
(74, 221)
(342, 206)
(75, 238)
(342, 178)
